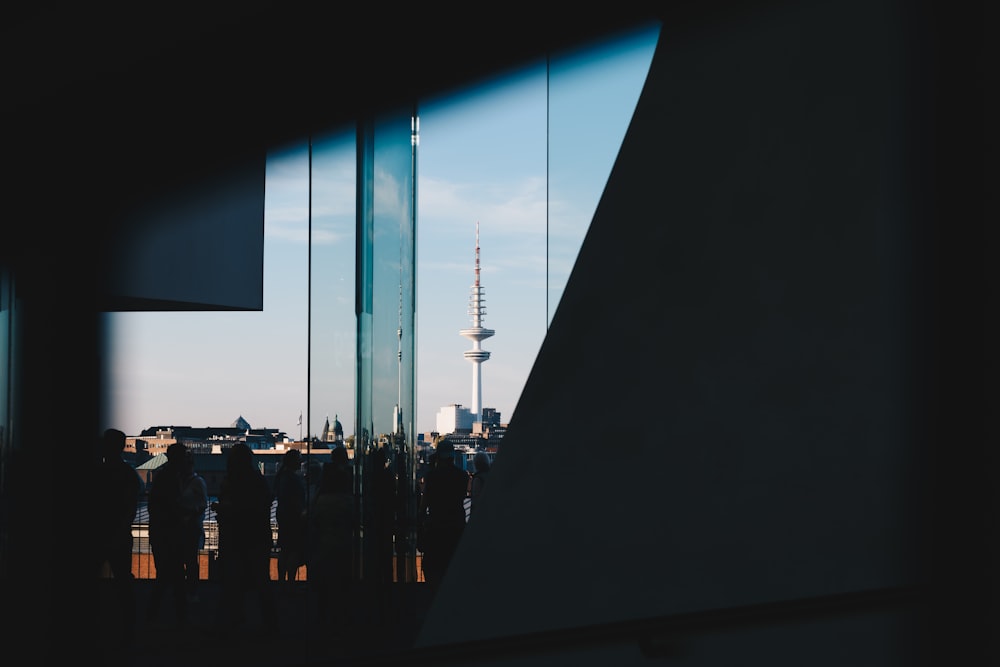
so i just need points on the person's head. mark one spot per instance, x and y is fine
(292, 460)
(445, 451)
(176, 453)
(338, 456)
(113, 443)
(240, 456)
(481, 462)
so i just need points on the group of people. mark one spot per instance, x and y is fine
(177, 501)
(316, 525)
(442, 515)
(177, 504)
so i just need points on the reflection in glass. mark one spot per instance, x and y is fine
(386, 313)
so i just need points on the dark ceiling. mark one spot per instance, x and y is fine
(108, 107)
(133, 88)
(103, 104)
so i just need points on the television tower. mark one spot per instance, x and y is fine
(477, 334)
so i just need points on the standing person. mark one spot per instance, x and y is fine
(481, 464)
(442, 510)
(118, 490)
(166, 535)
(382, 518)
(383, 515)
(244, 516)
(334, 518)
(194, 502)
(290, 494)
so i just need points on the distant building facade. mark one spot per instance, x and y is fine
(155, 439)
(456, 422)
(454, 419)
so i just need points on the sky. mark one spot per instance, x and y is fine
(524, 155)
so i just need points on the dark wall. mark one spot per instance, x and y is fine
(198, 248)
(755, 316)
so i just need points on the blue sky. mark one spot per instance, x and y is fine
(519, 155)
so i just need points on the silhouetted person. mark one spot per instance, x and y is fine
(166, 535)
(334, 518)
(481, 466)
(423, 467)
(442, 510)
(383, 515)
(194, 502)
(118, 490)
(404, 502)
(244, 516)
(290, 494)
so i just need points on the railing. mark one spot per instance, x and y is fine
(143, 566)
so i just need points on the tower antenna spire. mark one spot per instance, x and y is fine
(477, 334)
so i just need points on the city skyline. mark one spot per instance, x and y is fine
(514, 154)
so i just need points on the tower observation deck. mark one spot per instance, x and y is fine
(477, 334)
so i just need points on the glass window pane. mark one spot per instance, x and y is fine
(593, 92)
(333, 328)
(482, 160)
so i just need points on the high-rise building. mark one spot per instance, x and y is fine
(477, 334)
(454, 419)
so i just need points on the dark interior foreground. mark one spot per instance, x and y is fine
(803, 181)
